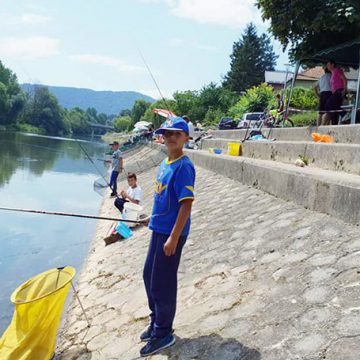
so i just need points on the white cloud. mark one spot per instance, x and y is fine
(33, 47)
(35, 19)
(107, 61)
(230, 13)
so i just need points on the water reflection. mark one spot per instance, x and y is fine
(43, 173)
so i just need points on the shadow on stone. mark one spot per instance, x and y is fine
(210, 347)
(76, 352)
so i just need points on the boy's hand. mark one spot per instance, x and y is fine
(123, 194)
(145, 221)
(170, 246)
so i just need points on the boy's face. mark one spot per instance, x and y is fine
(132, 182)
(115, 147)
(175, 139)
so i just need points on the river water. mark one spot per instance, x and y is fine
(44, 173)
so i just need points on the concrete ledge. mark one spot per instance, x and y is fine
(338, 157)
(341, 133)
(330, 192)
(148, 159)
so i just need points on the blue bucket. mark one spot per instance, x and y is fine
(123, 230)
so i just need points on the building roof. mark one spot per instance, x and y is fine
(276, 77)
(313, 74)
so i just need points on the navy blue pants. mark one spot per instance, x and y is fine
(119, 203)
(113, 181)
(160, 278)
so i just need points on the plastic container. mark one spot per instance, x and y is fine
(132, 212)
(214, 151)
(123, 230)
(234, 149)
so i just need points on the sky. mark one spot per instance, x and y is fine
(100, 44)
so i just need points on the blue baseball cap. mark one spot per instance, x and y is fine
(175, 123)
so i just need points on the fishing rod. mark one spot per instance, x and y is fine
(165, 103)
(69, 215)
(92, 161)
(153, 78)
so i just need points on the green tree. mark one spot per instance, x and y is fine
(256, 99)
(125, 112)
(12, 99)
(311, 25)
(122, 123)
(92, 115)
(138, 110)
(79, 121)
(186, 101)
(102, 118)
(201, 106)
(251, 56)
(212, 117)
(44, 111)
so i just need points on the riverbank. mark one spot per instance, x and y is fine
(260, 278)
(110, 137)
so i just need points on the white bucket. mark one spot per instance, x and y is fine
(132, 212)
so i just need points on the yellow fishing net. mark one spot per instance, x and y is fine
(38, 304)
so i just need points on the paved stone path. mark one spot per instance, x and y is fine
(260, 278)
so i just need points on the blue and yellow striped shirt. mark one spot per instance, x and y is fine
(175, 182)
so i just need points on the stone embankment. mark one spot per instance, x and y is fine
(260, 278)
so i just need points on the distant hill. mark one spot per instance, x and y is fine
(108, 102)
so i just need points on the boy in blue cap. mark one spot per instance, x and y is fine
(170, 223)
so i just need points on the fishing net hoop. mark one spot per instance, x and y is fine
(67, 271)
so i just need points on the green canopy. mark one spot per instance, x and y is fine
(347, 54)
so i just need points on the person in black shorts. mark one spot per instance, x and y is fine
(322, 90)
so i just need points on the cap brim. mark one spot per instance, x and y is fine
(162, 130)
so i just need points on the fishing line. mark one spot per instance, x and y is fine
(91, 160)
(167, 107)
(153, 78)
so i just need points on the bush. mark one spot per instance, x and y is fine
(122, 123)
(304, 119)
(304, 99)
(212, 117)
(256, 99)
(23, 127)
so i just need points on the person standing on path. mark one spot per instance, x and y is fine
(338, 88)
(190, 143)
(170, 225)
(117, 167)
(322, 90)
